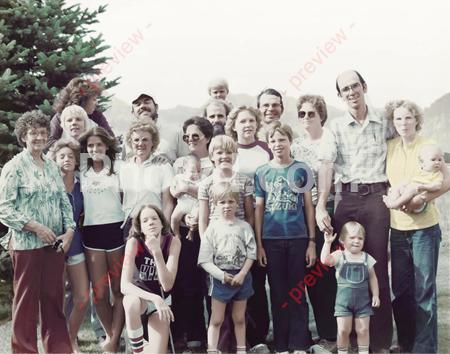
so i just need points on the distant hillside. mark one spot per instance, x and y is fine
(436, 125)
(437, 121)
(119, 114)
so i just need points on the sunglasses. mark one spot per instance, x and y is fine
(303, 114)
(195, 137)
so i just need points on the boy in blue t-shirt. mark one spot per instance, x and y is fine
(285, 234)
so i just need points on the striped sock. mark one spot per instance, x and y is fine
(363, 349)
(241, 350)
(136, 337)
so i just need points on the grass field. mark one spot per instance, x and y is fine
(89, 343)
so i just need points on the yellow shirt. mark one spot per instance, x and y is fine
(402, 165)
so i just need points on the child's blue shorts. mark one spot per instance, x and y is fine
(227, 293)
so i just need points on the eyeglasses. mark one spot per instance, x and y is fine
(195, 137)
(303, 114)
(353, 87)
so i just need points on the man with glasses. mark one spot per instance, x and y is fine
(270, 104)
(171, 143)
(356, 150)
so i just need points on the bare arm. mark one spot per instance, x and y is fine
(167, 272)
(167, 203)
(373, 284)
(249, 210)
(311, 224)
(259, 218)
(126, 285)
(325, 180)
(203, 216)
(325, 256)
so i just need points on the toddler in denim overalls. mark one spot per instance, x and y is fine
(355, 275)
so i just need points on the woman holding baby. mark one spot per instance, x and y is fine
(415, 231)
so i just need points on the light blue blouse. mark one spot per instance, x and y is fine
(27, 193)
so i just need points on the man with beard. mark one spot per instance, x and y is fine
(216, 111)
(270, 104)
(171, 143)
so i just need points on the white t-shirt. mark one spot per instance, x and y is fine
(227, 244)
(143, 184)
(250, 157)
(101, 194)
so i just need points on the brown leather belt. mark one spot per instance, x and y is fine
(363, 188)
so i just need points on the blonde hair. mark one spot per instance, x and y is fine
(352, 227)
(232, 117)
(218, 82)
(415, 110)
(146, 126)
(73, 111)
(427, 148)
(222, 142)
(222, 190)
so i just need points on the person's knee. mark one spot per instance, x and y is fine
(362, 329)
(343, 332)
(239, 319)
(131, 302)
(80, 302)
(216, 321)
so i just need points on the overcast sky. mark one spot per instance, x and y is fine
(171, 49)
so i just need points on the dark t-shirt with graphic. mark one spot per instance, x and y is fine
(282, 189)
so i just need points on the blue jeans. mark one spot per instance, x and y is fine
(414, 257)
(286, 269)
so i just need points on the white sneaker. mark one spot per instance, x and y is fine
(260, 349)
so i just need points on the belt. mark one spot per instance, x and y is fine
(363, 188)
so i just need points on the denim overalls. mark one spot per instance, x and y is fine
(352, 297)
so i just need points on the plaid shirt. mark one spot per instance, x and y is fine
(358, 151)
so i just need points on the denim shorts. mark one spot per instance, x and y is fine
(227, 293)
(353, 302)
(75, 259)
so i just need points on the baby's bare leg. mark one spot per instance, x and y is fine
(400, 196)
(175, 220)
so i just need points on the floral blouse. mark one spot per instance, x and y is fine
(27, 193)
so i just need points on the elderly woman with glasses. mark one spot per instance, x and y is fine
(312, 115)
(35, 207)
(189, 288)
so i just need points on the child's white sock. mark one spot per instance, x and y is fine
(342, 350)
(363, 349)
(241, 350)
(136, 337)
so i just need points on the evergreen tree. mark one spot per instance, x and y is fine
(43, 45)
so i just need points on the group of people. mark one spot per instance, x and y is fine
(175, 223)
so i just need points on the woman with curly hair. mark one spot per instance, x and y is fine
(415, 235)
(81, 92)
(35, 207)
(312, 115)
(143, 180)
(102, 235)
